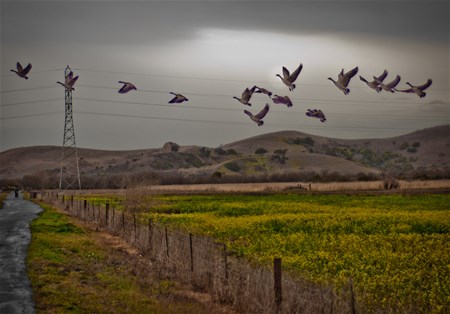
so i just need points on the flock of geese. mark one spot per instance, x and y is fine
(287, 78)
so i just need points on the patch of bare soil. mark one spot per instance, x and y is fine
(125, 255)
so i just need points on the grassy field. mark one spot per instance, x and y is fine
(395, 248)
(71, 271)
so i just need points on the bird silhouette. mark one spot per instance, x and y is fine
(418, 90)
(263, 91)
(259, 116)
(316, 113)
(246, 95)
(344, 80)
(376, 82)
(127, 86)
(21, 71)
(282, 100)
(289, 79)
(177, 99)
(389, 87)
(69, 81)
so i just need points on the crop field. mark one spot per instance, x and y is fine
(395, 248)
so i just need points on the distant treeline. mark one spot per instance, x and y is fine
(119, 181)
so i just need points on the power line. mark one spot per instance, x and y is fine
(32, 115)
(317, 100)
(217, 79)
(188, 106)
(226, 122)
(267, 125)
(30, 102)
(27, 89)
(32, 72)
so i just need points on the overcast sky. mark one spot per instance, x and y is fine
(210, 52)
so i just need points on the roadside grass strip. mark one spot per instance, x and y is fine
(71, 272)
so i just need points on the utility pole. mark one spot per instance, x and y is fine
(70, 172)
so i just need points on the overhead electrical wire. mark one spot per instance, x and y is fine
(292, 98)
(190, 107)
(208, 79)
(30, 102)
(27, 89)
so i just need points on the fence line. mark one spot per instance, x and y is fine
(209, 266)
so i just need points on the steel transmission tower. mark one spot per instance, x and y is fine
(70, 172)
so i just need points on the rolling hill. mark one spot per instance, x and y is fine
(267, 156)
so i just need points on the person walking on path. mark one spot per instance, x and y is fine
(16, 295)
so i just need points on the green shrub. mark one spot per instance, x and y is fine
(233, 166)
(261, 150)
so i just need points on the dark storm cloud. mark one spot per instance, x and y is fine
(129, 22)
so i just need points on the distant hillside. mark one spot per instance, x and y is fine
(273, 156)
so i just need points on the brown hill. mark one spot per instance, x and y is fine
(267, 155)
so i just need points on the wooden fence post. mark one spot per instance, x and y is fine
(84, 210)
(107, 215)
(167, 241)
(113, 222)
(123, 223)
(150, 237)
(225, 254)
(277, 283)
(191, 252)
(135, 228)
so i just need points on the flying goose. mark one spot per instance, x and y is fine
(258, 117)
(246, 95)
(69, 81)
(21, 71)
(389, 87)
(418, 90)
(289, 79)
(177, 99)
(263, 91)
(282, 100)
(127, 86)
(375, 83)
(316, 113)
(344, 79)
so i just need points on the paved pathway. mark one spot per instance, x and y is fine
(15, 290)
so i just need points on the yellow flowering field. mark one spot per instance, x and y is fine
(395, 248)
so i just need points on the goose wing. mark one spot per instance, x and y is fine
(341, 75)
(311, 112)
(345, 78)
(69, 77)
(263, 112)
(277, 99)
(409, 90)
(247, 93)
(19, 67)
(73, 80)
(295, 74)
(394, 82)
(27, 69)
(426, 85)
(286, 73)
(363, 79)
(382, 76)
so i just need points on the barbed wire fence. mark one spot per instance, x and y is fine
(209, 266)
